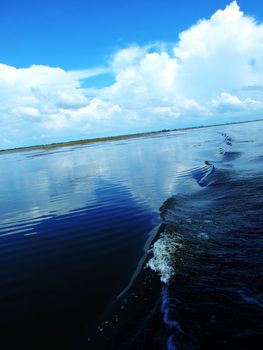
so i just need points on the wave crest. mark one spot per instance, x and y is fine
(164, 254)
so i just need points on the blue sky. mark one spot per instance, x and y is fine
(80, 69)
(76, 34)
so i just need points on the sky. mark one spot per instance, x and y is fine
(72, 69)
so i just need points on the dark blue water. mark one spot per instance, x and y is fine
(76, 225)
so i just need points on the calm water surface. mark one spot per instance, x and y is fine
(76, 224)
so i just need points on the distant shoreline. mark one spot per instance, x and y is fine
(113, 138)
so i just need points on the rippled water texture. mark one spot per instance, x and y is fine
(76, 224)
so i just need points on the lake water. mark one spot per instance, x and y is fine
(89, 261)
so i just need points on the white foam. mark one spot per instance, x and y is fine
(203, 235)
(164, 250)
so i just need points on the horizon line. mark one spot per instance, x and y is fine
(114, 138)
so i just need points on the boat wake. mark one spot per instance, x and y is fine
(209, 257)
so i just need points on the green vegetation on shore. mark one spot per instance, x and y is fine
(112, 138)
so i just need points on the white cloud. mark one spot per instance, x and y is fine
(220, 54)
(230, 103)
(216, 68)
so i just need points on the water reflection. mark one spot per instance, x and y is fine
(41, 183)
(74, 221)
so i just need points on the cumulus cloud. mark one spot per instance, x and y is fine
(229, 103)
(215, 69)
(220, 54)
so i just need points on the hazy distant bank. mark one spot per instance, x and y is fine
(112, 138)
